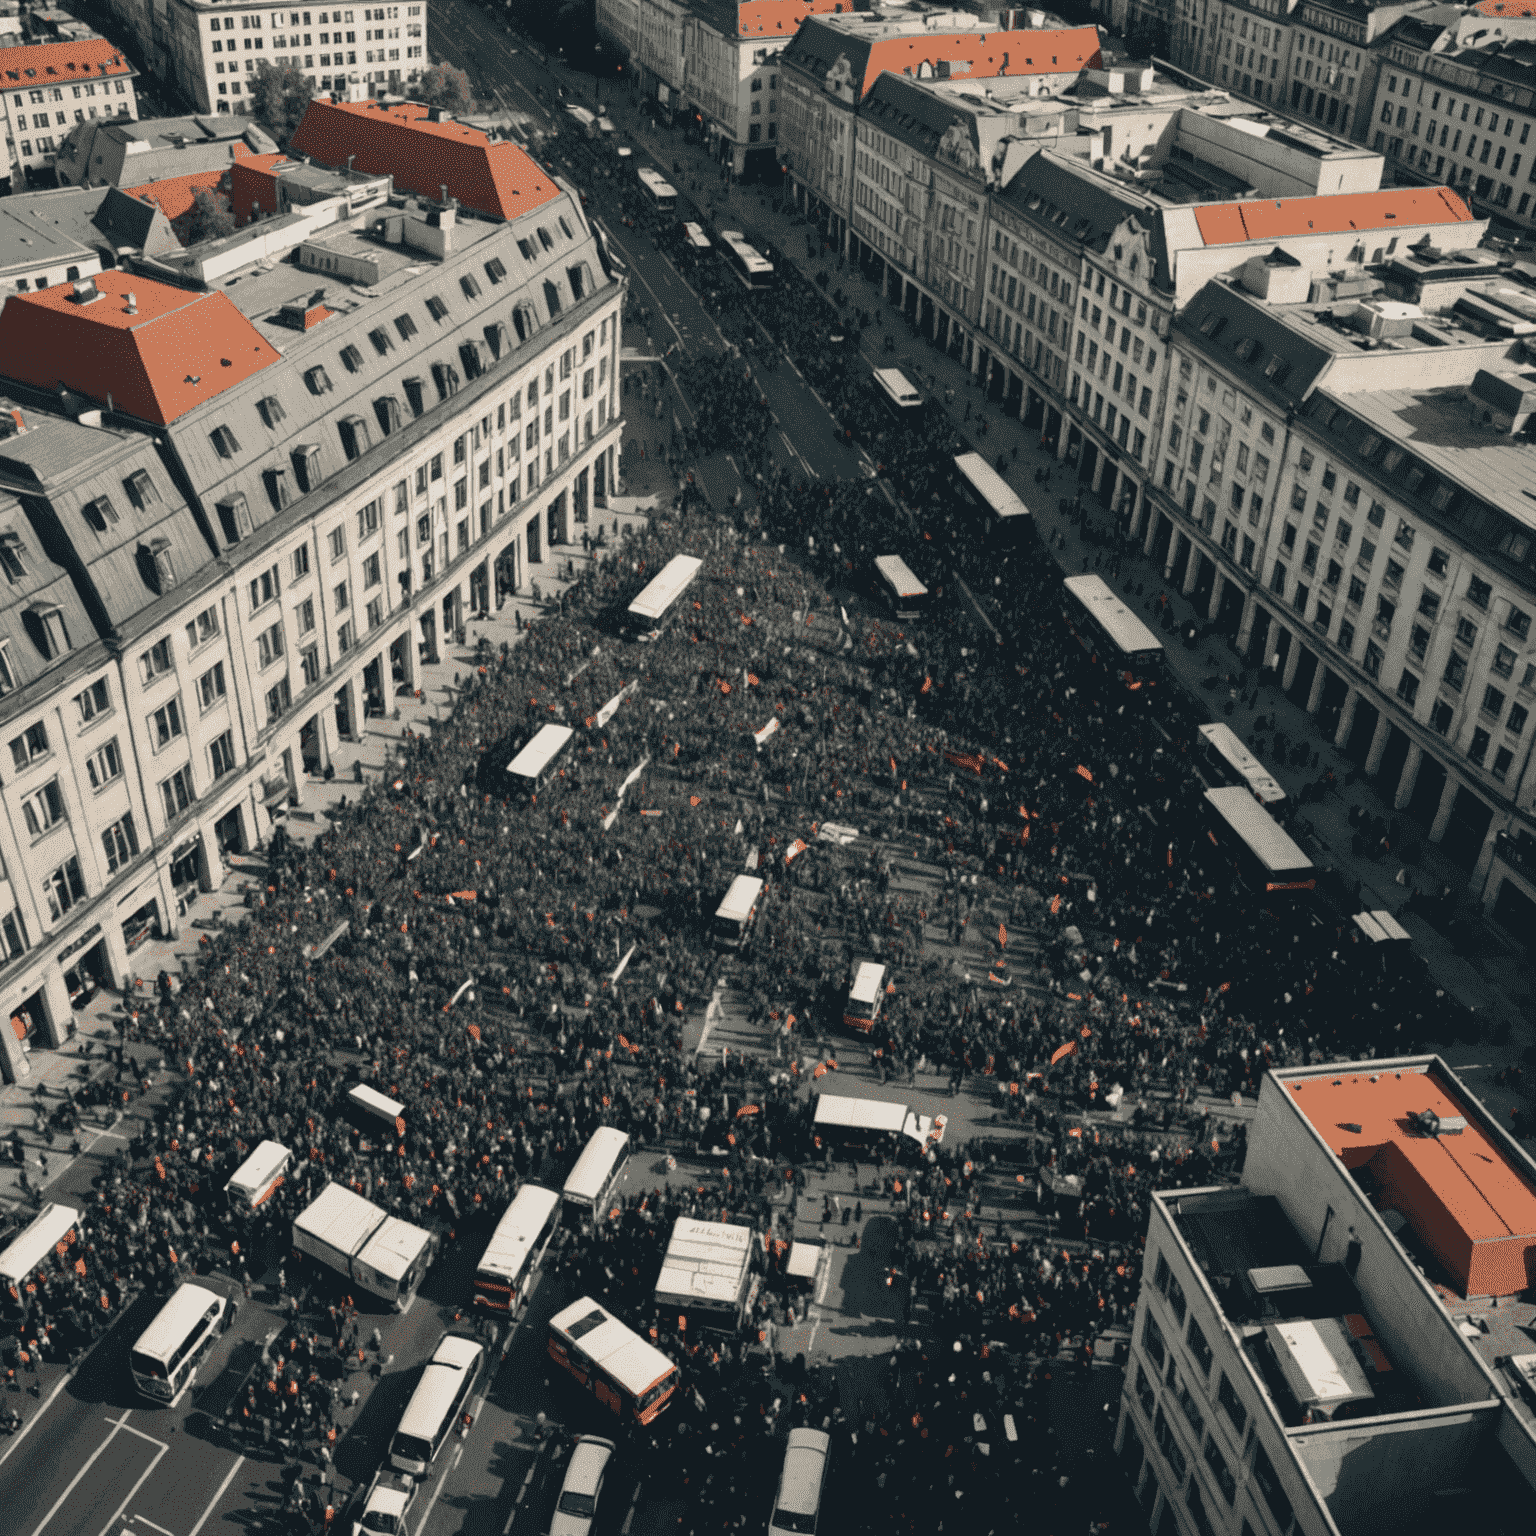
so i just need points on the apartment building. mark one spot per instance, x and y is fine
(618, 21)
(1341, 489)
(1455, 104)
(833, 64)
(208, 51)
(1315, 1348)
(731, 74)
(1244, 47)
(52, 86)
(249, 488)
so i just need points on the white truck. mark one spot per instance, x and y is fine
(380, 1253)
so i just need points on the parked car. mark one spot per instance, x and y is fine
(583, 1486)
(382, 1509)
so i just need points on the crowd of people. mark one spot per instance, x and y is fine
(459, 944)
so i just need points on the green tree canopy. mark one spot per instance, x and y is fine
(209, 218)
(442, 85)
(280, 98)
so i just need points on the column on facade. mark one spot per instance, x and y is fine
(58, 1013)
(119, 967)
(14, 1065)
(1245, 625)
(1154, 519)
(1442, 821)
(1478, 881)
(1379, 740)
(1061, 437)
(1191, 569)
(1178, 553)
(1409, 776)
(1292, 663)
(1315, 693)
(1346, 718)
(1218, 591)
(1098, 473)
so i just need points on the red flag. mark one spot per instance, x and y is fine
(400, 1125)
(927, 684)
(1002, 935)
(1084, 773)
(474, 1031)
(1063, 1050)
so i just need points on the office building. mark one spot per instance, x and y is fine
(1319, 1350)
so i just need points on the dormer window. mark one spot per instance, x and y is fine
(53, 638)
(235, 515)
(306, 466)
(476, 357)
(351, 359)
(380, 339)
(498, 340)
(415, 394)
(100, 513)
(524, 321)
(141, 490)
(354, 436)
(279, 488)
(551, 298)
(470, 286)
(319, 381)
(224, 442)
(10, 555)
(495, 270)
(526, 247)
(165, 569)
(272, 413)
(406, 327)
(446, 377)
(436, 308)
(387, 409)
(544, 238)
(580, 279)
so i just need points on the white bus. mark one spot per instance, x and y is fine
(539, 759)
(623, 1371)
(752, 269)
(370, 1110)
(441, 1396)
(693, 234)
(898, 391)
(865, 994)
(649, 612)
(905, 594)
(596, 1174)
(1110, 634)
(873, 1123)
(995, 507)
(734, 915)
(1224, 760)
(25, 1252)
(516, 1249)
(1268, 859)
(663, 194)
(258, 1177)
(166, 1357)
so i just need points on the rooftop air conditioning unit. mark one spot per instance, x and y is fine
(1428, 1123)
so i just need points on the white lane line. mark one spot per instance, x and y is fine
(629, 1518)
(143, 1478)
(202, 1519)
(26, 1429)
(826, 1280)
(133, 1430)
(74, 1482)
(458, 1456)
(151, 1524)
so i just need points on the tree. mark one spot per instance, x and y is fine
(209, 218)
(281, 98)
(442, 85)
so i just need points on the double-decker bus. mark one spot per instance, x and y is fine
(662, 193)
(752, 269)
(1110, 634)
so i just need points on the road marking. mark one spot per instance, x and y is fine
(132, 1430)
(90, 1461)
(151, 1524)
(629, 1519)
(458, 1456)
(143, 1478)
(821, 1290)
(26, 1429)
(202, 1518)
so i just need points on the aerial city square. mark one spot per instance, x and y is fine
(764, 773)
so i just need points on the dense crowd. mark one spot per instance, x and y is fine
(998, 784)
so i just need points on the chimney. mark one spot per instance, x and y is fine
(350, 159)
(133, 302)
(442, 187)
(84, 291)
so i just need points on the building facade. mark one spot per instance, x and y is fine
(49, 89)
(208, 52)
(217, 574)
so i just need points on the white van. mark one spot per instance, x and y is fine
(797, 1505)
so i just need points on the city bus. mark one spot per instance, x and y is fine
(1267, 858)
(735, 914)
(997, 510)
(906, 596)
(650, 611)
(596, 1175)
(53, 1226)
(662, 193)
(539, 759)
(899, 393)
(752, 270)
(370, 1110)
(258, 1177)
(865, 994)
(1110, 634)
(693, 235)
(1223, 760)
(441, 1396)
(516, 1249)
(847, 1124)
(168, 1352)
(625, 1372)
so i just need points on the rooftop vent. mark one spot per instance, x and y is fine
(1428, 1123)
(84, 291)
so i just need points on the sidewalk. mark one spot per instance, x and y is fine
(1496, 981)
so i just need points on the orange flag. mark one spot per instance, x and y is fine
(1063, 1050)
(1002, 935)
(400, 1125)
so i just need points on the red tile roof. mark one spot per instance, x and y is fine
(1462, 1196)
(1505, 8)
(990, 55)
(88, 58)
(1401, 208)
(253, 179)
(499, 179)
(179, 350)
(780, 18)
(173, 195)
